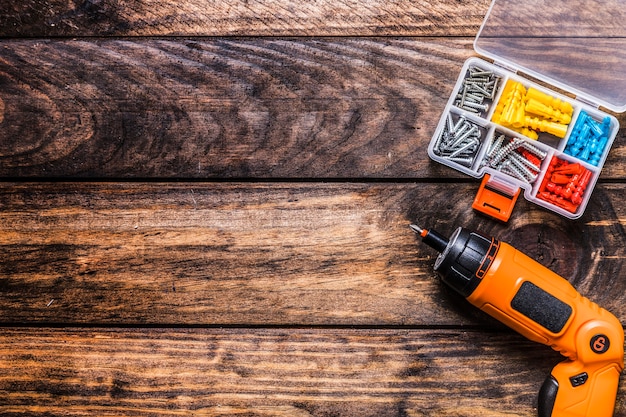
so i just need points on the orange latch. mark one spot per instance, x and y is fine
(496, 198)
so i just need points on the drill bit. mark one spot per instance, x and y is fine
(431, 238)
(416, 229)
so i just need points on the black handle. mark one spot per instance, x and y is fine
(547, 396)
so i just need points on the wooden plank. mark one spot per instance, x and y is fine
(262, 108)
(271, 253)
(229, 108)
(281, 372)
(329, 302)
(51, 18)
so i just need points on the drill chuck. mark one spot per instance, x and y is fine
(462, 258)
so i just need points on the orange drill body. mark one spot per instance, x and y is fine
(545, 308)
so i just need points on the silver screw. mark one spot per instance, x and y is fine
(526, 162)
(506, 158)
(459, 123)
(495, 146)
(515, 163)
(449, 123)
(478, 85)
(465, 161)
(458, 142)
(477, 106)
(467, 147)
(534, 150)
(508, 168)
(503, 152)
(466, 134)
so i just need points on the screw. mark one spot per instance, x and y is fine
(504, 151)
(468, 146)
(477, 106)
(507, 168)
(463, 161)
(477, 72)
(519, 167)
(534, 150)
(461, 139)
(458, 124)
(525, 161)
(474, 98)
(507, 159)
(478, 85)
(458, 142)
(449, 123)
(495, 146)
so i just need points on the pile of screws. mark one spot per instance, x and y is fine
(588, 138)
(514, 157)
(459, 142)
(564, 184)
(479, 85)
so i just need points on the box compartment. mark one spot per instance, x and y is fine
(521, 134)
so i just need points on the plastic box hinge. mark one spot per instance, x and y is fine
(588, 102)
(505, 66)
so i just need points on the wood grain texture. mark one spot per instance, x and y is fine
(229, 108)
(281, 372)
(271, 254)
(262, 108)
(50, 18)
(195, 261)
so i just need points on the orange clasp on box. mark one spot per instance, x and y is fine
(496, 198)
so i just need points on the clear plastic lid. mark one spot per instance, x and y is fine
(578, 46)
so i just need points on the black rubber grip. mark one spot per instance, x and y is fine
(541, 307)
(547, 396)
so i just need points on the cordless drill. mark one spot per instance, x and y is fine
(544, 307)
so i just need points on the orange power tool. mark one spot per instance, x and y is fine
(544, 307)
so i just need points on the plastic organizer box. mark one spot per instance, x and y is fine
(521, 135)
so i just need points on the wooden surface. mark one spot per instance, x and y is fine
(204, 211)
